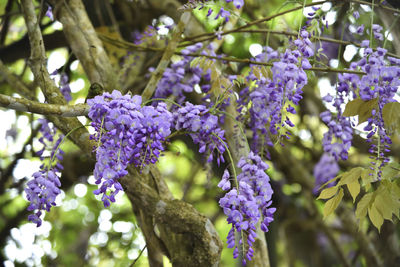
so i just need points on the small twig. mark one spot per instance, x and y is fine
(255, 22)
(376, 5)
(140, 254)
(231, 59)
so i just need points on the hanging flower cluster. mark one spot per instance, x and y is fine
(245, 204)
(379, 84)
(203, 127)
(126, 133)
(43, 189)
(181, 78)
(271, 98)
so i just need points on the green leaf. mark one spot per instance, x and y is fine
(264, 71)
(391, 116)
(384, 204)
(195, 62)
(330, 181)
(351, 176)
(333, 203)
(354, 189)
(390, 171)
(328, 192)
(366, 178)
(257, 73)
(361, 108)
(352, 108)
(395, 196)
(375, 217)
(362, 206)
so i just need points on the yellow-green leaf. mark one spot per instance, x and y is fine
(234, 66)
(202, 62)
(375, 217)
(366, 110)
(351, 176)
(354, 189)
(395, 196)
(390, 171)
(226, 83)
(330, 181)
(257, 73)
(214, 74)
(333, 203)
(384, 204)
(195, 62)
(362, 206)
(352, 108)
(209, 64)
(264, 71)
(366, 178)
(391, 116)
(328, 192)
(361, 108)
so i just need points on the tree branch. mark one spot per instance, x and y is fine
(85, 44)
(22, 104)
(50, 90)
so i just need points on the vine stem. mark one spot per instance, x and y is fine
(372, 23)
(230, 159)
(101, 132)
(258, 21)
(239, 60)
(236, 180)
(62, 141)
(238, 124)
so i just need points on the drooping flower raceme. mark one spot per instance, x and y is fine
(379, 85)
(325, 170)
(126, 133)
(43, 189)
(180, 78)
(272, 98)
(203, 127)
(247, 204)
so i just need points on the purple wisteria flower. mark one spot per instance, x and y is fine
(223, 13)
(273, 97)
(380, 83)
(203, 128)
(376, 29)
(126, 133)
(146, 37)
(64, 85)
(337, 141)
(325, 170)
(42, 192)
(360, 30)
(49, 13)
(181, 78)
(247, 204)
(43, 189)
